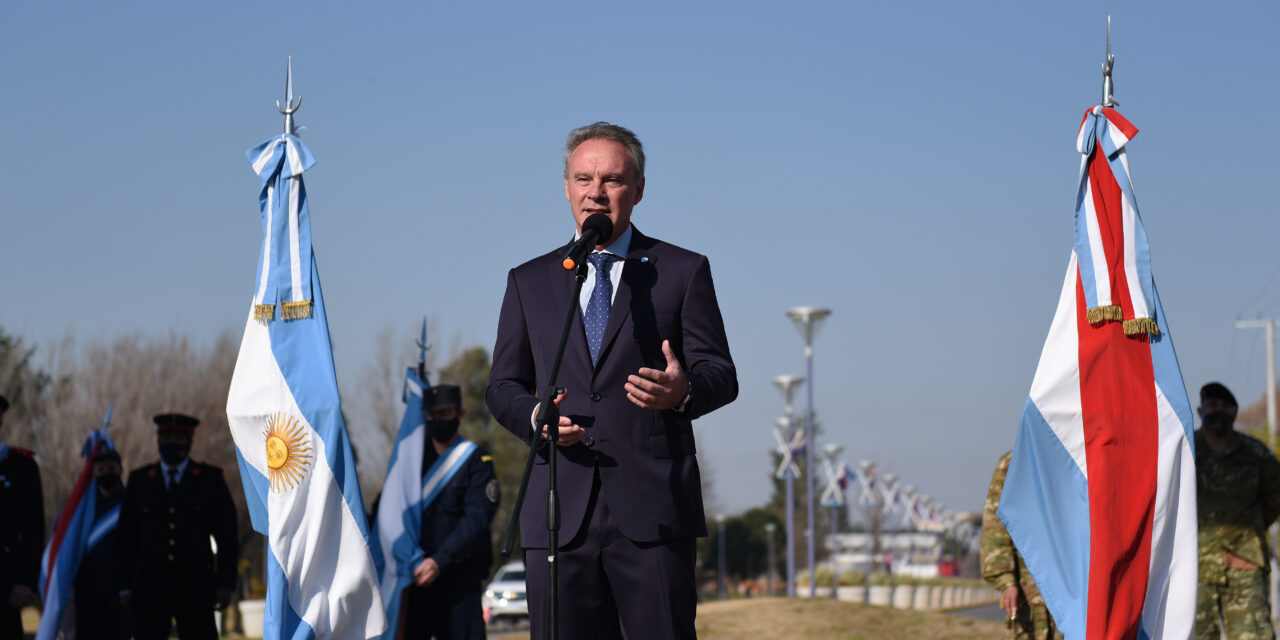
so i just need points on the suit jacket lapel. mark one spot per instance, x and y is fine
(562, 285)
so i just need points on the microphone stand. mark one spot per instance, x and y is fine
(549, 418)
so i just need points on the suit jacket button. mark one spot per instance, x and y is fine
(171, 510)
(589, 441)
(171, 542)
(171, 557)
(595, 397)
(172, 526)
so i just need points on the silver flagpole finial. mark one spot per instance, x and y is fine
(1108, 88)
(290, 106)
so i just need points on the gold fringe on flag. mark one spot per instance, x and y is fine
(1138, 326)
(295, 310)
(264, 311)
(1108, 312)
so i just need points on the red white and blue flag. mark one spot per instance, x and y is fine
(75, 532)
(1100, 499)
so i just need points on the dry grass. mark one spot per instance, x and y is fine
(804, 619)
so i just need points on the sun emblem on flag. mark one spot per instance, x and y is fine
(288, 451)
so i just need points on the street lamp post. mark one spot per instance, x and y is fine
(833, 452)
(871, 500)
(808, 321)
(769, 528)
(786, 385)
(720, 587)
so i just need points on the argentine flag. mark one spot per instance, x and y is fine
(1100, 499)
(295, 458)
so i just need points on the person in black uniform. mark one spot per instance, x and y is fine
(98, 612)
(21, 532)
(444, 602)
(170, 510)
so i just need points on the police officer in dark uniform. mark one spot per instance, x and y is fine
(444, 602)
(171, 508)
(21, 532)
(98, 612)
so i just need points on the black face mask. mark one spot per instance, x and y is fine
(109, 482)
(442, 430)
(173, 453)
(1219, 423)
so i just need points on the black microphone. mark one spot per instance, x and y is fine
(596, 228)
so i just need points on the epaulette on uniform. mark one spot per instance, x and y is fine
(198, 468)
(1255, 446)
(151, 470)
(26, 453)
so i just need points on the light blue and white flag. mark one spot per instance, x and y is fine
(291, 439)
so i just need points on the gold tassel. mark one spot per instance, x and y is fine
(264, 311)
(295, 310)
(1108, 312)
(1138, 326)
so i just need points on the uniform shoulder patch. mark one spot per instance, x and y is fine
(492, 492)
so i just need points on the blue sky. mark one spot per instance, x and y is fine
(909, 165)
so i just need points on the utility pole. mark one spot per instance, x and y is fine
(1270, 325)
(1274, 530)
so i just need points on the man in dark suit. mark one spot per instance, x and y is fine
(444, 601)
(646, 356)
(170, 510)
(21, 532)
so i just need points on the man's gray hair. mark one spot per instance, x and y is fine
(616, 133)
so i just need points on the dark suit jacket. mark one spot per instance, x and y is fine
(21, 522)
(163, 536)
(649, 474)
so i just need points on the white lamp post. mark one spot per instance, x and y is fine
(808, 320)
(786, 385)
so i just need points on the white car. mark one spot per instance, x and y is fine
(505, 596)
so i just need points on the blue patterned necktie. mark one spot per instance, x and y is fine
(596, 317)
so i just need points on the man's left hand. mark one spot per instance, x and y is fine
(654, 389)
(426, 573)
(222, 598)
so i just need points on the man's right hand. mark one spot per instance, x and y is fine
(1009, 601)
(570, 433)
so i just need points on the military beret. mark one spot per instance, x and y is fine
(442, 396)
(1218, 391)
(175, 422)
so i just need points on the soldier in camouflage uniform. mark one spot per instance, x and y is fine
(1003, 568)
(1238, 494)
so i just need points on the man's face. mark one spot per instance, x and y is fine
(106, 467)
(1214, 405)
(602, 178)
